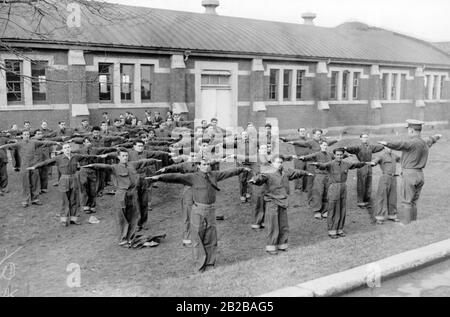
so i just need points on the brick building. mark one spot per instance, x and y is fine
(207, 65)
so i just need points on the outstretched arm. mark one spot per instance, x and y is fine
(293, 174)
(229, 173)
(259, 179)
(48, 162)
(185, 179)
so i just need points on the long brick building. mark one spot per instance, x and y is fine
(205, 65)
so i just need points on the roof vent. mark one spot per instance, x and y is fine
(308, 18)
(210, 6)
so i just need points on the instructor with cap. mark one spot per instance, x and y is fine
(413, 161)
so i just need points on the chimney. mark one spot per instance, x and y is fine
(309, 18)
(210, 6)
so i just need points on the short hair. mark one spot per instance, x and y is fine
(116, 120)
(44, 122)
(103, 122)
(339, 149)
(364, 133)
(61, 122)
(315, 130)
(25, 122)
(298, 130)
(96, 128)
(84, 120)
(104, 113)
(268, 125)
(214, 119)
(138, 141)
(143, 134)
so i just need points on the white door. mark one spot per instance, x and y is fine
(216, 100)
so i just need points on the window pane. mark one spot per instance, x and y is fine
(105, 81)
(345, 78)
(435, 85)
(334, 81)
(394, 84)
(355, 92)
(39, 80)
(146, 73)
(403, 87)
(287, 74)
(441, 95)
(300, 76)
(14, 81)
(384, 86)
(273, 84)
(126, 81)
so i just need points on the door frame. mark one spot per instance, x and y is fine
(233, 68)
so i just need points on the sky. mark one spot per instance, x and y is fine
(424, 19)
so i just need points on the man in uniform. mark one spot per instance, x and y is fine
(413, 161)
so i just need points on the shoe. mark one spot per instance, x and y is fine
(283, 250)
(318, 215)
(380, 222)
(243, 199)
(25, 205)
(187, 245)
(325, 215)
(55, 184)
(75, 222)
(272, 252)
(123, 243)
(394, 220)
(220, 218)
(333, 236)
(248, 196)
(342, 234)
(64, 223)
(44, 191)
(36, 202)
(361, 205)
(17, 169)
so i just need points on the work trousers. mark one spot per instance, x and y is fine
(412, 184)
(386, 200)
(204, 235)
(187, 200)
(260, 206)
(300, 183)
(68, 188)
(88, 188)
(43, 176)
(144, 199)
(127, 213)
(337, 208)
(364, 184)
(244, 187)
(319, 193)
(277, 226)
(30, 185)
(3, 175)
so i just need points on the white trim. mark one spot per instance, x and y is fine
(348, 102)
(396, 71)
(282, 67)
(350, 69)
(64, 106)
(243, 103)
(26, 70)
(397, 101)
(128, 105)
(135, 61)
(291, 103)
(437, 101)
(233, 67)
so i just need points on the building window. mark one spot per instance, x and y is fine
(39, 81)
(394, 84)
(14, 81)
(441, 92)
(126, 82)
(105, 76)
(273, 84)
(384, 86)
(215, 80)
(146, 82)
(435, 86)
(299, 84)
(287, 76)
(345, 78)
(334, 85)
(355, 91)
(403, 86)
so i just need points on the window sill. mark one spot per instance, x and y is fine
(291, 103)
(348, 102)
(36, 107)
(397, 101)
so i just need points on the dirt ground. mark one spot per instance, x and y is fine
(36, 252)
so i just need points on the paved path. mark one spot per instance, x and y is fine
(430, 281)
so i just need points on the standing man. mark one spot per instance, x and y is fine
(4, 139)
(364, 153)
(203, 215)
(337, 191)
(300, 183)
(414, 159)
(386, 200)
(106, 118)
(276, 198)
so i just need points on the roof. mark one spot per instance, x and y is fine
(444, 46)
(150, 28)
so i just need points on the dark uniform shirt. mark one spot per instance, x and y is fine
(338, 170)
(387, 163)
(364, 151)
(204, 184)
(414, 151)
(321, 157)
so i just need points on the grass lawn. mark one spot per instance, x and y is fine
(44, 249)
